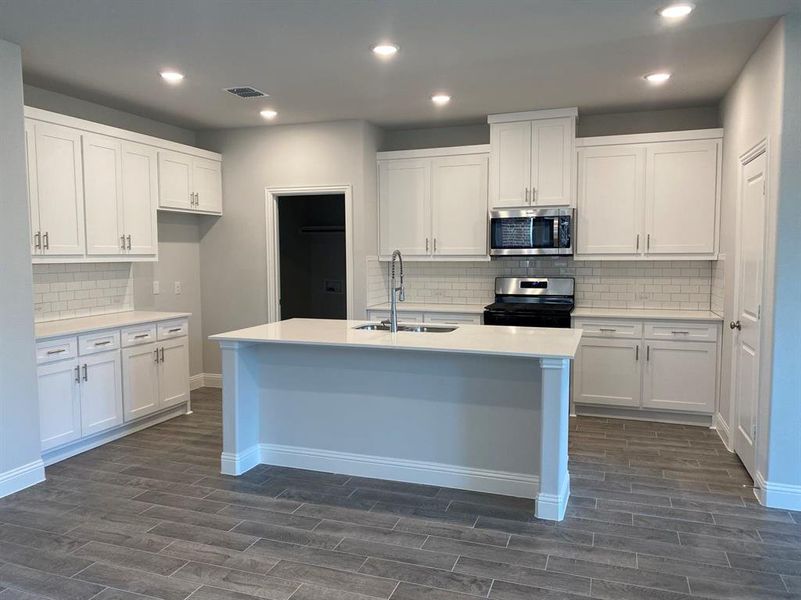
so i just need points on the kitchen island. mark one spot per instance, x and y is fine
(481, 408)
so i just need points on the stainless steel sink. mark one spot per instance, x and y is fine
(408, 328)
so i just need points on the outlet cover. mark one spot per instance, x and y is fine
(179, 287)
(156, 288)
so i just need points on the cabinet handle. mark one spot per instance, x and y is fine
(638, 242)
(162, 354)
(122, 242)
(605, 330)
(129, 242)
(140, 336)
(680, 332)
(197, 198)
(533, 195)
(648, 242)
(526, 196)
(46, 240)
(426, 244)
(174, 330)
(435, 244)
(85, 372)
(648, 352)
(59, 351)
(106, 343)
(191, 198)
(37, 240)
(637, 352)
(77, 374)
(156, 351)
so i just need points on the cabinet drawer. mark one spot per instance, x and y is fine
(138, 334)
(173, 329)
(99, 341)
(58, 349)
(610, 329)
(403, 316)
(690, 332)
(453, 318)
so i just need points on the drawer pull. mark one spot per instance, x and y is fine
(174, 330)
(141, 335)
(106, 343)
(59, 351)
(607, 330)
(681, 332)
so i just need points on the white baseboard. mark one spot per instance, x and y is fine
(236, 464)
(196, 381)
(553, 507)
(395, 469)
(719, 425)
(777, 495)
(212, 380)
(22, 477)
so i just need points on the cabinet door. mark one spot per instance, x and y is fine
(459, 205)
(175, 180)
(404, 205)
(33, 194)
(510, 164)
(680, 376)
(101, 392)
(59, 189)
(59, 403)
(139, 198)
(103, 194)
(610, 198)
(607, 371)
(552, 143)
(140, 383)
(681, 197)
(173, 372)
(207, 182)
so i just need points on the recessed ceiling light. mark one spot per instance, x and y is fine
(385, 49)
(657, 78)
(676, 11)
(171, 76)
(268, 114)
(440, 99)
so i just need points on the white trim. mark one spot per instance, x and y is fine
(212, 380)
(273, 250)
(44, 259)
(397, 469)
(383, 258)
(197, 381)
(719, 425)
(649, 138)
(22, 477)
(58, 119)
(552, 507)
(777, 495)
(533, 115)
(645, 257)
(644, 414)
(236, 464)
(434, 152)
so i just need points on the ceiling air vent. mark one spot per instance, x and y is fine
(245, 91)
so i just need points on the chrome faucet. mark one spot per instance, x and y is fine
(396, 292)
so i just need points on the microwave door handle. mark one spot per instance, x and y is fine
(556, 244)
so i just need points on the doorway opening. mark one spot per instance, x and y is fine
(309, 253)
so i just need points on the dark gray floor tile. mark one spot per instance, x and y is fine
(612, 590)
(277, 551)
(222, 557)
(427, 557)
(597, 554)
(204, 535)
(138, 582)
(740, 547)
(331, 578)
(35, 558)
(373, 534)
(290, 535)
(637, 576)
(196, 504)
(769, 565)
(234, 484)
(539, 530)
(191, 517)
(454, 548)
(410, 591)
(484, 510)
(33, 520)
(369, 495)
(696, 516)
(712, 557)
(702, 571)
(727, 591)
(34, 538)
(93, 532)
(249, 513)
(208, 592)
(349, 515)
(594, 514)
(255, 501)
(312, 592)
(302, 496)
(306, 475)
(521, 504)
(523, 575)
(437, 578)
(127, 557)
(697, 528)
(434, 514)
(793, 583)
(454, 532)
(260, 586)
(45, 584)
(163, 475)
(393, 486)
(504, 590)
(9, 594)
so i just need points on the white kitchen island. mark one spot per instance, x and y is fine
(481, 408)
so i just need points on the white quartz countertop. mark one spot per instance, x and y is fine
(50, 329)
(528, 342)
(646, 314)
(439, 308)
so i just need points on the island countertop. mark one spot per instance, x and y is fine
(528, 342)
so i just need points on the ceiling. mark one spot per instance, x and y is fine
(313, 58)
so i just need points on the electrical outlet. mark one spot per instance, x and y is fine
(179, 288)
(156, 288)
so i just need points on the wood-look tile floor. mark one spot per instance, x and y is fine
(658, 512)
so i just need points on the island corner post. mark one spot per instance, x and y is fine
(537, 402)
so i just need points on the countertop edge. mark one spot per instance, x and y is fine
(646, 314)
(77, 330)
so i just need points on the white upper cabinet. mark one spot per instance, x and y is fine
(649, 196)
(532, 158)
(139, 199)
(55, 190)
(189, 183)
(611, 188)
(432, 204)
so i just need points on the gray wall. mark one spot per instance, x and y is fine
(233, 248)
(19, 402)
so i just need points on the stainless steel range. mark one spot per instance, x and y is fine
(531, 302)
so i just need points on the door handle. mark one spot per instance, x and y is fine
(85, 372)
(735, 325)
(77, 374)
(129, 242)
(46, 240)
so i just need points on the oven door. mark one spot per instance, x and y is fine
(558, 320)
(521, 232)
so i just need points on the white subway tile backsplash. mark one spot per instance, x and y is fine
(77, 290)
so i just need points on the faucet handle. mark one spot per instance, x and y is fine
(402, 295)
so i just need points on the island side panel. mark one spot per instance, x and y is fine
(456, 420)
(241, 406)
(554, 478)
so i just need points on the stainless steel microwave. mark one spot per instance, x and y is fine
(531, 231)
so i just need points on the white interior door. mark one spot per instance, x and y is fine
(680, 376)
(404, 206)
(551, 162)
(173, 372)
(140, 382)
(59, 177)
(459, 205)
(607, 372)
(611, 188)
(748, 310)
(175, 180)
(681, 197)
(59, 403)
(139, 198)
(101, 392)
(103, 194)
(510, 164)
(207, 183)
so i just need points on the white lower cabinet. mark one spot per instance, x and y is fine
(59, 403)
(631, 365)
(101, 392)
(140, 366)
(173, 368)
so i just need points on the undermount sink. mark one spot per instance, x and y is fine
(408, 328)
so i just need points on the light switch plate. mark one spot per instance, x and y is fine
(156, 288)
